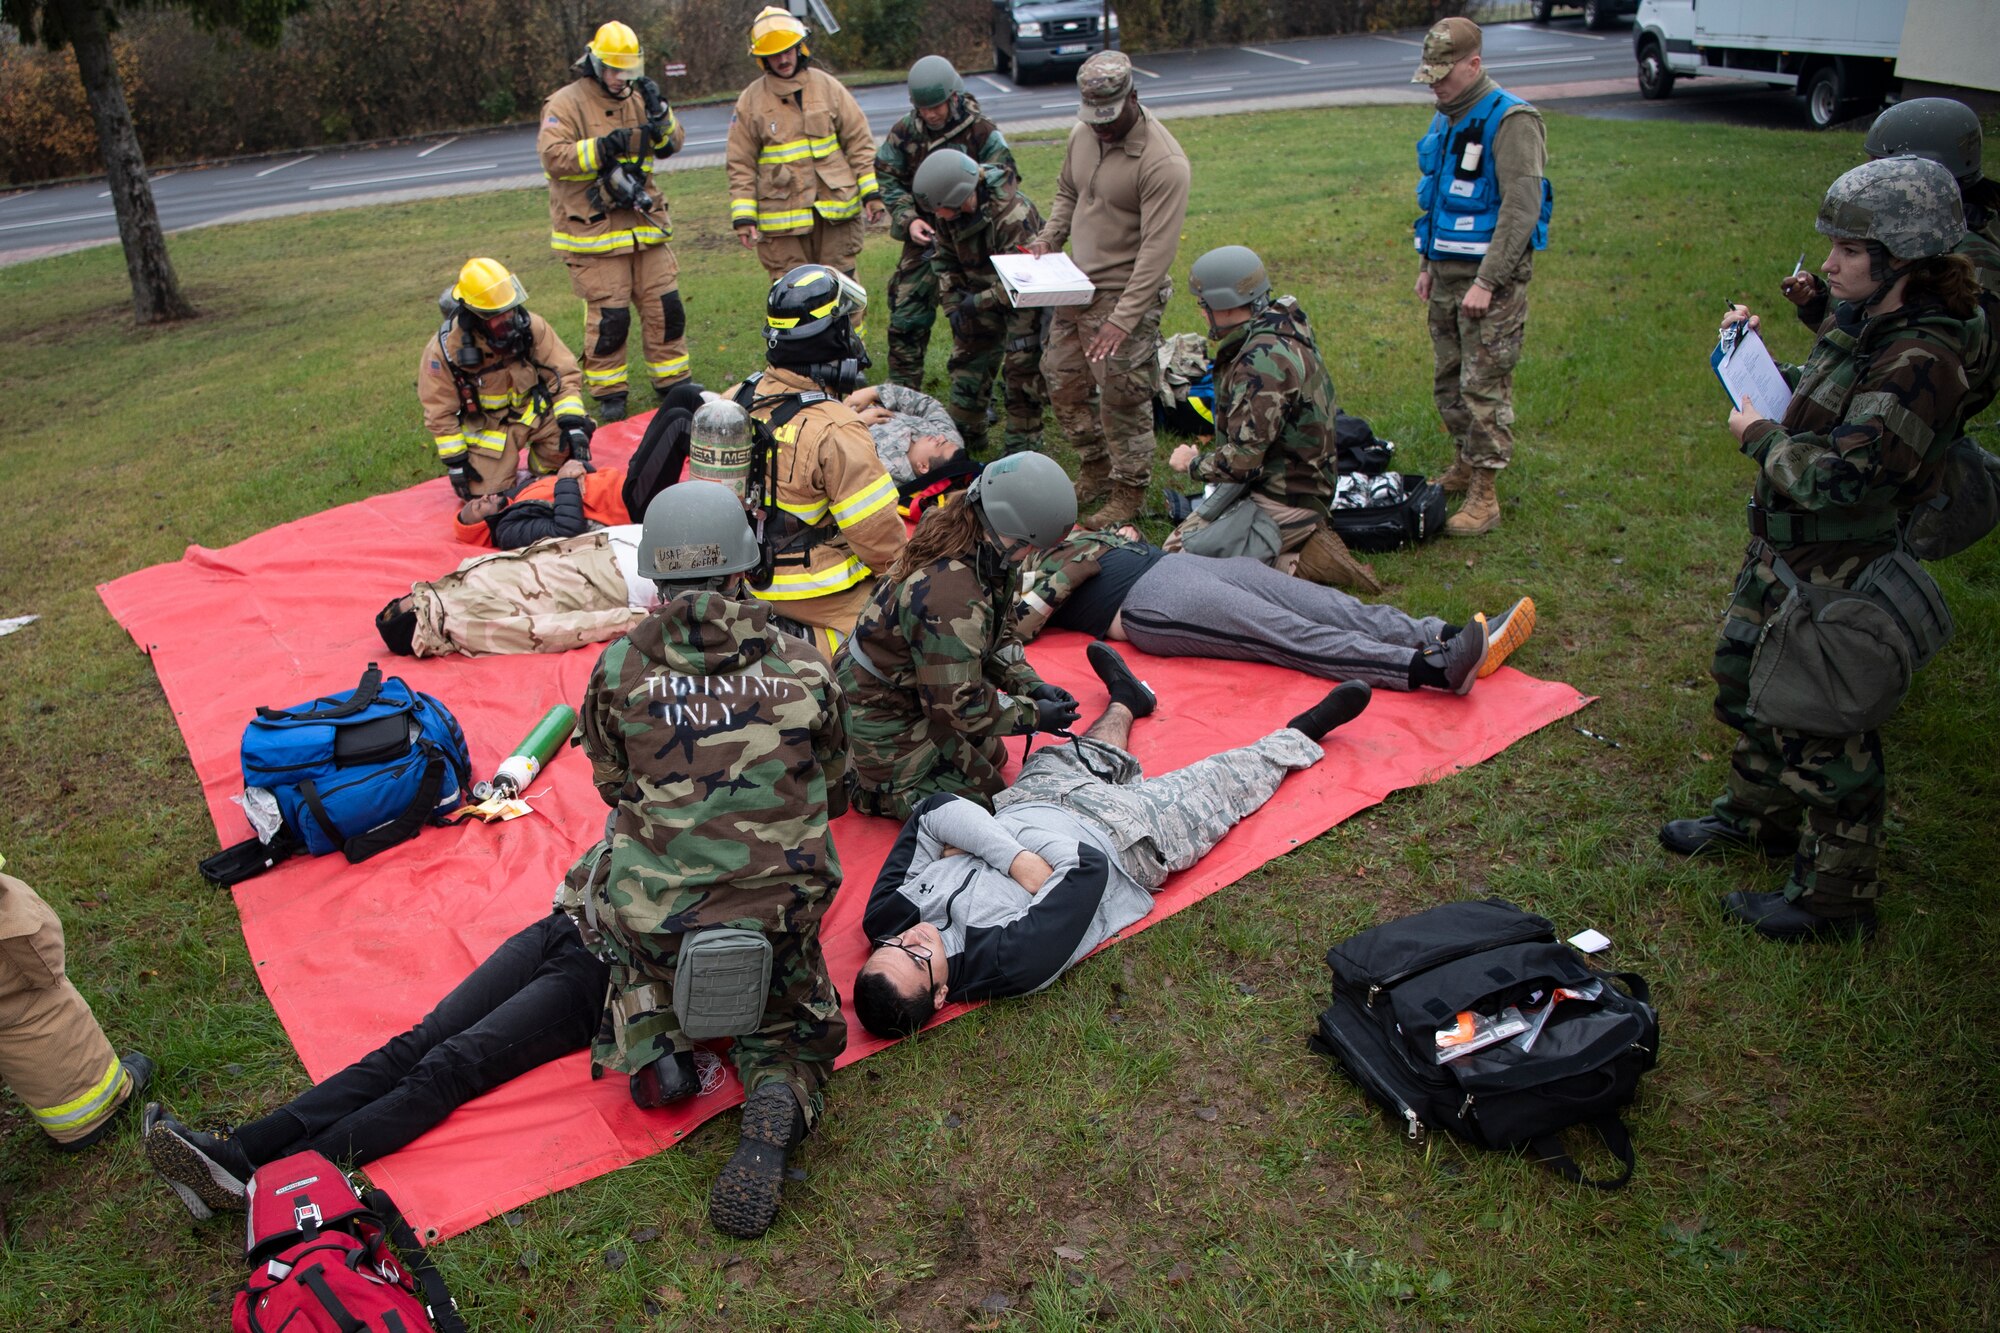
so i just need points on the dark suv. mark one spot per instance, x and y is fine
(1034, 38)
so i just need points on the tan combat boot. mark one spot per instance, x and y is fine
(1093, 483)
(1325, 559)
(1480, 513)
(1124, 505)
(1456, 477)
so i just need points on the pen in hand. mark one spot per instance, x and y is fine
(1799, 267)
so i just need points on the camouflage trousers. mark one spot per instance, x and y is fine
(895, 764)
(1838, 782)
(1007, 343)
(913, 297)
(1474, 382)
(1106, 407)
(1167, 823)
(801, 1036)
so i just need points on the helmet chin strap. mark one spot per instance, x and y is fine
(1849, 316)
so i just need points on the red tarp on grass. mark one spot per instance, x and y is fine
(351, 955)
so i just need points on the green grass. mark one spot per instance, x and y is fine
(1816, 1148)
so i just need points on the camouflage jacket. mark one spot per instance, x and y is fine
(721, 745)
(550, 597)
(1871, 414)
(1274, 411)
(1005, 221)
(913, 415)
(909, 141)
(1047, 583)
(953, 662)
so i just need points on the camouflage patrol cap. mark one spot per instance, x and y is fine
(1447, 43)
(946, 179)
(1229, 277)
(932, 81)
(1907, 205)
(1105, 82)
(1937, 128)
(695, 530)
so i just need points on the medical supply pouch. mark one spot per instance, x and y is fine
(322, 1258)
(1233, 524)
(1965, 509)
(355, 772)
(1416, 516)
(1417, 1004)
(722, 979)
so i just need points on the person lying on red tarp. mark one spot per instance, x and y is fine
(576, 499)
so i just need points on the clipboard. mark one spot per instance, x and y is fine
(1746, 369)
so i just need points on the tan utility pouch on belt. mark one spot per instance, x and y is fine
(1838, 661)
(721, 981)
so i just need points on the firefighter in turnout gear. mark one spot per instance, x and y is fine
(800, 158)
(827, 504)
(599, 137)
(496, 382)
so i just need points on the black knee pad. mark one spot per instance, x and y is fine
(613, 325)
(674, 314)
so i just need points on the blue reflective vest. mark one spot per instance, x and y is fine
(1459, 190)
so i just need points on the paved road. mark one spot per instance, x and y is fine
(1327, 70)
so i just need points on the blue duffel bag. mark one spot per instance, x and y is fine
(355, 772)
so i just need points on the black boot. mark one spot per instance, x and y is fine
(1776, 917)
(669, 1079)
(744, 1201)
(1711, 836)
(139, 1070)
(611, 408)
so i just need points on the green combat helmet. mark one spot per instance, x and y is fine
(1907, 205)
(1935, 128)
(932, 81)
(1229, 278)
(695, 531)
(1025, 498)
(945, 180)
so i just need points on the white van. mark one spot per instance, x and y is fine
(1839, 55)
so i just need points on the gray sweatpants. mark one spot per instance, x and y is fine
(1167, 823)
(1196, 606)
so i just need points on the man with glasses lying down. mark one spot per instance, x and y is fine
(978, 906)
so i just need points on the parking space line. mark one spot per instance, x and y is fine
(992, 82)
(434, 147)
(1273, 55)
(267, 171)
(56, 222)
(405, 176)
(1400, 41)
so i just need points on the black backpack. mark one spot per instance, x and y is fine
(1397, 985)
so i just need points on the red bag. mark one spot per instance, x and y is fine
(321, 1259)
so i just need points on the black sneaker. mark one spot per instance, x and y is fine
(139, 1070)
(207, 1171)
(1464, 655)
(1125, 688)
(1710, 836)
(1775, 917)
(744, 1201)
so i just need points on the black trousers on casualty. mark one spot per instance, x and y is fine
(537, 998)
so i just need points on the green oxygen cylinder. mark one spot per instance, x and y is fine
(518, 769)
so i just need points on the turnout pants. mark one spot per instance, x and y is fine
(535, 999)
(1192, 606)
(1106, 407)
(1008, 343)
(646, 276)
(1839, 782)
(1474, 383)
(52, 1052)
(1167, 823)
(913, 297)
(497, 470)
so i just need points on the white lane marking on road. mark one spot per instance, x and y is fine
(267, 171)
(992, 82)
(1147, 72)
(57, 222)
(703, 143)
(1260, 51)
(434, 147)
(155, 176)
(1400, 41)
(406, 176)
(1589, 36)
(1547, 60)
(1191, 92)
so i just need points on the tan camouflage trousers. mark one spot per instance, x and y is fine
(52, 1052)
(801, 1036)
(1475, 358)
(1166, 823)
(1840, 783)
(497, 470)
(1106, 407)
(648, 276)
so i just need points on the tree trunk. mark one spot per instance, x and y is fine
(156, 293)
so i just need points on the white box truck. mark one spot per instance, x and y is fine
(1839, 55)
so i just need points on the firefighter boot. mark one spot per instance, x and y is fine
(1124, 505)
(1325, 559)
(611, 408)
(1480, 513)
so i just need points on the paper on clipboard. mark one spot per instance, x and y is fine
(1745, 367)
(1052, 279)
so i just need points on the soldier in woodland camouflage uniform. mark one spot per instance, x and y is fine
(981, 212)
(934, 674)
(718, 743)
(1874, 406)
(942, 115)
(1274, 416)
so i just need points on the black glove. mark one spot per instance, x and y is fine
(962, 315)
(1052, 692)
(612, 146)
(461, 476)
(1056, 714)
(576, 433)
